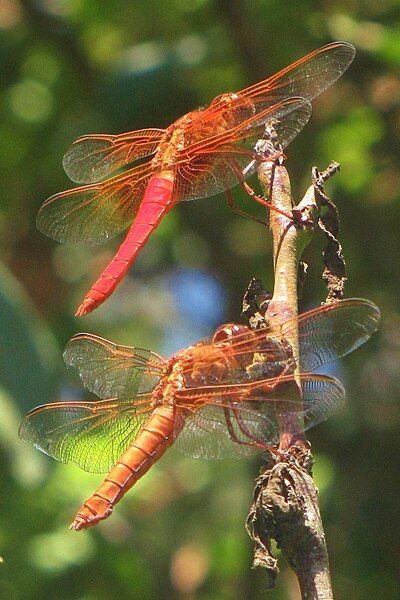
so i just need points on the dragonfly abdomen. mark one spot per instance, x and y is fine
(153, 440)
(155, 204)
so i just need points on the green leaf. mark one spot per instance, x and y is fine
(30, 361)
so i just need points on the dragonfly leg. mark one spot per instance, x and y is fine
(239, 211)
(282, 456)
(246, 432)
(234, 436)
(264, 202)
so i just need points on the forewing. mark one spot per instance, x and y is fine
(109, 370)
(91, 435)
(233, 421)
(222, 161)
(92, 214)
(325, 334)
(94, 157)
(308, 77)
(331, 331)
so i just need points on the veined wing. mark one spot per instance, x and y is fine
(94, 157)
(331, 331)
(108, 370)
(92, 214)
(217, 163)
(325, 334)
(91, 435)
(237, 420)
(308, 77)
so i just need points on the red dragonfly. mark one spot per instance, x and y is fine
(206, 151)
(224, 398)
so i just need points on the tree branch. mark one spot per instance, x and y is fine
(285, 504)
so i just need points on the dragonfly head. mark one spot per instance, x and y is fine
(229, 331)
(227, 98)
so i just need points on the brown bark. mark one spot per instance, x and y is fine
(285, 504)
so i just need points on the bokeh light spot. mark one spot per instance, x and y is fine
(42, 65)
(10, 13)
(103, 43)
(143, 57)
(191, 50)
(31, 101)
(60, 550)
(189, 568)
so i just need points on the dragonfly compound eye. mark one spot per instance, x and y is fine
(229, 331)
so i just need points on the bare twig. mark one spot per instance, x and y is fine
(285, 506)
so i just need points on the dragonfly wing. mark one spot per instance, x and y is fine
(92, 214)
(226, 159)
(237, 420)
(91, 435)
(322, 396)
(210, 430)
(94, 157)
(331, 331)
(109, 370)
(308, 77)
(245, 358)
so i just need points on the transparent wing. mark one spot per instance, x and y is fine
(238, 420)
(308, 77)
(325, 334)
(92, 214)
(91, 435)
(109, 370)
(94, 157)
(331, 331)
(217, 162)
(206, 433)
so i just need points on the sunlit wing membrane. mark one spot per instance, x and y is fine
(333, 330)
(308, 77)
(94, 157)
(91, 435)
(217, 163)
(236, 420)
(109, 370)
(92, 214)
(209, 432)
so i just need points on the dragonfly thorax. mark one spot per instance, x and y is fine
(225, 112)
(170, 383)
(177, 137)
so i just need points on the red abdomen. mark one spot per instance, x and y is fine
(155, 204)
(156, 436)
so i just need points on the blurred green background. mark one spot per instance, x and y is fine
(71, 67)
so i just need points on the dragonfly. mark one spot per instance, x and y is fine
(228, 397)
(206, 151)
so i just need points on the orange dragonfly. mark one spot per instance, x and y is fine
(225, 398)
(205, 152)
